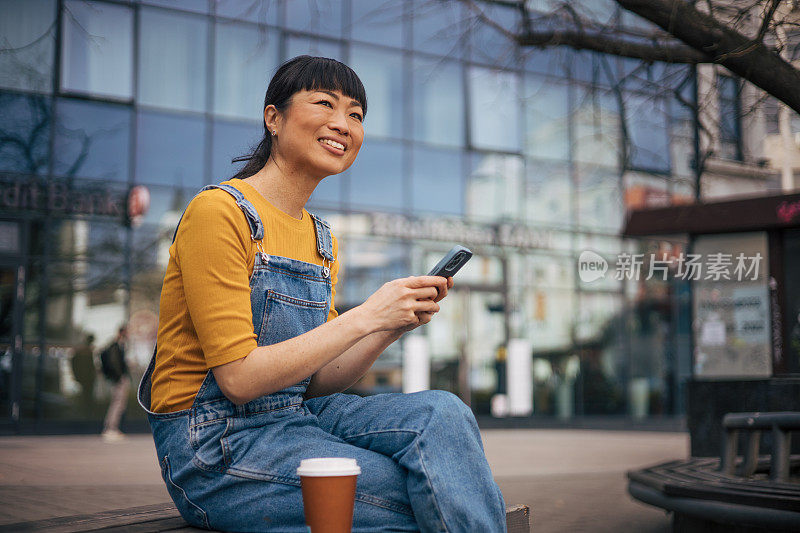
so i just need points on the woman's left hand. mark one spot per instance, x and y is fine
(424, 318)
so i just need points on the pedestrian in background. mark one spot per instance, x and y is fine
(85, 372)
(116, 371)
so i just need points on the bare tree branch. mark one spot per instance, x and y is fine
(756, 63)
(606, 42)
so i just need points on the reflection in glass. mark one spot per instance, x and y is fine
(27, 31)
(494, 113)
(170, 149)
(230, 140)
(490, 45)
(377, 176)
(92, 140)
(730, 125)
(382, 75)
(245, 58)
(264, 12)
(599, 320)
(548, 193)
(648, 132)
(379, 22)
(438, 102)
(597, 127)
(172, 60)
(322, 16)
(198, 6)
(297, 46)
(494, 187)
(438, 28)
(97, 49)
(599, 199)
(436, 181)
(24, 133)
(546, 119)
(552, 61)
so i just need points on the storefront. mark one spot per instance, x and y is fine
(745, 306)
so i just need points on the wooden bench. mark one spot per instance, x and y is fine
(749, 493)
(165, 517)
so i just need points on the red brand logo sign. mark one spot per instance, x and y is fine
(787, 211)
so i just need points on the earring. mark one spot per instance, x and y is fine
(274, 133)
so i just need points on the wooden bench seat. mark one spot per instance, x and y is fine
(162, 518)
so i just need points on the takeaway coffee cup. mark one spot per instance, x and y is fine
(329, 492)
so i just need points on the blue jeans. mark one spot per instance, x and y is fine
(233, 467)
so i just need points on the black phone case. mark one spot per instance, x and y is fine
(451, 262)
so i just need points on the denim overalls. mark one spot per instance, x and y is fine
(233, 467)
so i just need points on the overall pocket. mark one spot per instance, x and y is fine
(190, 511)
(207, 441)
(286, 317)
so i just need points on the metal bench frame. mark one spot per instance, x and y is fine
(781, 424)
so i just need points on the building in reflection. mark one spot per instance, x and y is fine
(527, 156)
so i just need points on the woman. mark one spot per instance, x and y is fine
(252, 356)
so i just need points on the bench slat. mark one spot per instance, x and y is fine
(164, 517)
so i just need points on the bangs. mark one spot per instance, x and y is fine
(315, 73)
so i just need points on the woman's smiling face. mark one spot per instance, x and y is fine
(320, 133)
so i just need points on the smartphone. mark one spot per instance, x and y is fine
(451, 262)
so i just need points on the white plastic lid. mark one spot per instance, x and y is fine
(328, 466)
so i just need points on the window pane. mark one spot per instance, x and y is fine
(494, 187)
(172, 60)
(728, 109)
(297, 46)
(382, 75)
(232, 139)
(438, 27)
(548, 193)
(169, 149)
(27, 27)
(491, 46)
(597, 128)
(436, 181)
(546, 119)
(97, 53)
(377, 176)
(494, 111)
(92, 140)
(24, 133)
(551, 61)
(648, 132)
(438, 102)
(323, 17)
(599, 199)
(246, 57)
(264, 12)
(378, 21)
(198, 6)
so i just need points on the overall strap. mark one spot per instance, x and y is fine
(256, 226)
(324, 242)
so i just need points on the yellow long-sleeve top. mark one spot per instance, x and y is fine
(205, 319)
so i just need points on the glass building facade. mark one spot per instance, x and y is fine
(527, 156)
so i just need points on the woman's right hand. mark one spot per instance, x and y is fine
(402, 303)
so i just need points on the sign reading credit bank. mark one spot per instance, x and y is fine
(61, 198)
(461, 231)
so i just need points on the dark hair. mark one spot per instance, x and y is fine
(302, 73)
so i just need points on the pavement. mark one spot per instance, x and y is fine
(573, 479)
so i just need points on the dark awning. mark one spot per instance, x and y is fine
(744, 214)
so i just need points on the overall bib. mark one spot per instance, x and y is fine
(233, 467)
